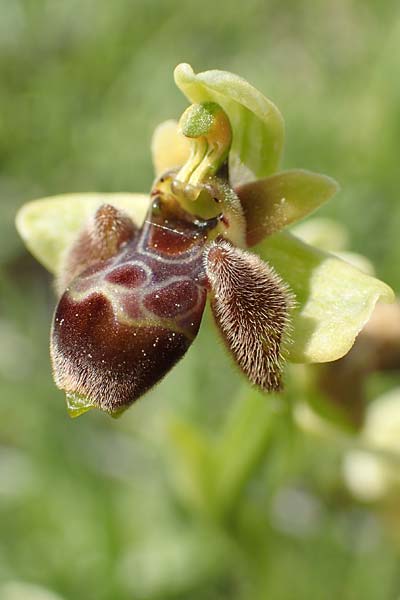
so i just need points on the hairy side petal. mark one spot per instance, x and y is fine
(251, 306)
(107, 230)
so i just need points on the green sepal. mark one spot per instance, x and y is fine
(324, 233)
(272, 203)
(257, 124)
(48, 226)
(334, 299)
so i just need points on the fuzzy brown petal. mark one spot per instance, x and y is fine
(101, 239)
(251, 305)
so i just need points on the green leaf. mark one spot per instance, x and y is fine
(273, 203)
(334, 299)
(257, 124)
(48, 226)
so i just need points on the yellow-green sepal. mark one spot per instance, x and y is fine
(257, 124)
(48, 226)
(334, 299)
(170, 149)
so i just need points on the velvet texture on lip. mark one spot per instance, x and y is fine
(125, 321)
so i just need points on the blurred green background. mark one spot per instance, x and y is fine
(97, 509)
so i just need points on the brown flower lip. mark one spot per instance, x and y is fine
(125, 321)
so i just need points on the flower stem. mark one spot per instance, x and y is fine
(241, 447)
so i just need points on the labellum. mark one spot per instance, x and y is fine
(133, 298)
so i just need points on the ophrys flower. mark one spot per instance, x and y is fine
(134, 272)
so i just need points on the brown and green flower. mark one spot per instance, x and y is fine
(216, 213)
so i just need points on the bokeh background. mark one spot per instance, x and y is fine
(102, 509)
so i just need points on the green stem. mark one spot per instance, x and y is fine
(212, 473)
(241, 447)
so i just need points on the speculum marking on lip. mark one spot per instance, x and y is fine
(127, 275)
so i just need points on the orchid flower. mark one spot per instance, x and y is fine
(134, 271)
